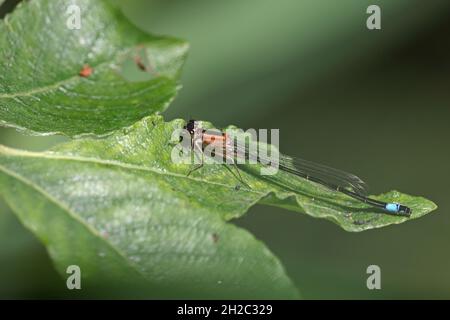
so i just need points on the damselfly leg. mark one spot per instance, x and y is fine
(198, 154)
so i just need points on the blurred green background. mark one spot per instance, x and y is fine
(375, 103)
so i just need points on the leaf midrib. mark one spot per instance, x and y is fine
(41, 155)
(56, 156)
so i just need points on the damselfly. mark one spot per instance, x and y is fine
(334, 179)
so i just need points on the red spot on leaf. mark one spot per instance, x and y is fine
(86, 71)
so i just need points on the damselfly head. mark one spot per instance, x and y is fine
(190, 126)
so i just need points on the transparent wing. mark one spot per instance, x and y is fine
(324, 173)
(316, 172)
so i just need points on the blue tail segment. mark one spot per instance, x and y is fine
(392, 207)
(398, 208)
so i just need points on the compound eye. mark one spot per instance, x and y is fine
(190, 126)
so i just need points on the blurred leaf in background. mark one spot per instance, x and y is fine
(246, 56)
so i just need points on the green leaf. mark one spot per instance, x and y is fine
(150, 144)
(130, 221)
(41, 90)
(121, 209)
